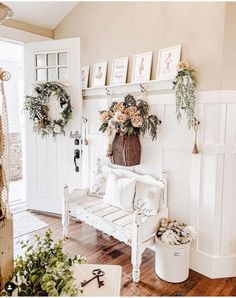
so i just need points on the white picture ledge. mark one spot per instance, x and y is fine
(157, 86)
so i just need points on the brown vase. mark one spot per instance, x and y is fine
(126, 150)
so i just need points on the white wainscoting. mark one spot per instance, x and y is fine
(202, 188)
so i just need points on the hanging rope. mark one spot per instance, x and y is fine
(4, 148)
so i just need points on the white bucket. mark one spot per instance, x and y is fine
(172, 261)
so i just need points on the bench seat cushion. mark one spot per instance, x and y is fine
(112, 220)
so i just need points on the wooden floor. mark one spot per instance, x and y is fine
(97, 248)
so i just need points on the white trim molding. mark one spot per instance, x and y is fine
(213, 266)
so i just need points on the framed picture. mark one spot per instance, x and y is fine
(119, 71)
(84, 76)
(168, 60)
(142, 67)
(99, 73)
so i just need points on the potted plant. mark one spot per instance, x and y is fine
(127, 120)
(45, 270)
(173, 241)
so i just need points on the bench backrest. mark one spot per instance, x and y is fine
(161, 182)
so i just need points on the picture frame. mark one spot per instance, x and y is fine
(84, 76)
(119, 71)
(99, 73)
(168, 59)
(142, 67)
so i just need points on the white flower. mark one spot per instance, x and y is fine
(120, 117)
(57, 128)
(174, 233)
(170, 237)
(190, 232)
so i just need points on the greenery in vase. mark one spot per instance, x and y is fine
(185, 85)
(45, 270)
(130, 117)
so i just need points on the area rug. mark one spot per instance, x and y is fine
(25, 223)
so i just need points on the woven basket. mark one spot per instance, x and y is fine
(126, 150)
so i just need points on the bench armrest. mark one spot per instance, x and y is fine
(76, 193)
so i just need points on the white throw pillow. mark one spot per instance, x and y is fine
(98, 185)
(120, 191)
(147, 198)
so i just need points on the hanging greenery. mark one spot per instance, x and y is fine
(45, 270)
(185, 85)
(39, 111)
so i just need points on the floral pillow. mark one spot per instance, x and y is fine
(98, 185)
(147, 198)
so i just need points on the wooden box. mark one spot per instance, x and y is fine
(6, 250)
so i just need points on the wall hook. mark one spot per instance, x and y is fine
(108, 92)
(142, 88)
(84, 119)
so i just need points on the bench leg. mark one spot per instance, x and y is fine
(136, 251)
(136, 262)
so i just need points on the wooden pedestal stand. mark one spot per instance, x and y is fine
(6, 223)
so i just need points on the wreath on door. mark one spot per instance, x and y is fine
(38, 108)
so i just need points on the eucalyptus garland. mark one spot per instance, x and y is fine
(37, 106)
(185, 85)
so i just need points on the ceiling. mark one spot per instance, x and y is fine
(43, 14)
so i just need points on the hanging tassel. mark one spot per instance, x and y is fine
(195, 127)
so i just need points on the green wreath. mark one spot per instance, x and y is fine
(38, 109)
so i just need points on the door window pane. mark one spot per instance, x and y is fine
(62, 58)
(63, 73)
(41, 74)
(51, 59)
(40, 60)
(52, 74)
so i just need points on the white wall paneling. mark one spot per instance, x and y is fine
(201, 187)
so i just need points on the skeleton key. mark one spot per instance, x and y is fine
(97, 274)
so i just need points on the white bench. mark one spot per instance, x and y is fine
(133, 228)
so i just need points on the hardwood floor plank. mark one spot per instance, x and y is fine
(100, 248)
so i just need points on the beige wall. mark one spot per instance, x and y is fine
(229, 57)
(110, 30)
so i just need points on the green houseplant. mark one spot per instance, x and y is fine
(185, 85)
(45, 270)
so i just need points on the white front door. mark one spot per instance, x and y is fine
(49, 163)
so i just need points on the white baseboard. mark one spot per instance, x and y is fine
(213, 266)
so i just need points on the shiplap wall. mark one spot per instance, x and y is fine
(201, 189)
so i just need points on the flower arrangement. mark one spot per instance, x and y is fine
(130, 117)
(173, 232)
(44, 271)
(185, 85)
